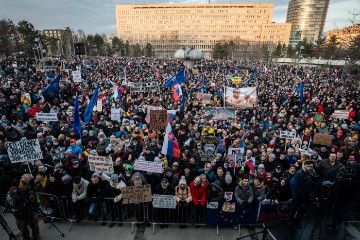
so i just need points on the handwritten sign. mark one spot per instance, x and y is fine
(98, 106)
(115, 114)
(22, 151)
(287, 134)
(235, 154)
(158, 119)
(136, 194)
(341, 114)
(323, 139)
(148, 166)
(50, 117)
(164, 201)
(101, 164)
(76, 76)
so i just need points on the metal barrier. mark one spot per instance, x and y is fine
(50, 206)
(104, 211)
(182, 215)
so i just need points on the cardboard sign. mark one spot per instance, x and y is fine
(147, 166)
(136, 194)
(115, 114)
(234, 164)
(158, 119)
(323, 139)
(101, 164)
(22, 151)
(164, 201)
(76, 76)
(341, 114)
(50, 117)
(287, 134)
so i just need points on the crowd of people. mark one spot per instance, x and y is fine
(279, 165)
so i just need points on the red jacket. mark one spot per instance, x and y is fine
(198, 193)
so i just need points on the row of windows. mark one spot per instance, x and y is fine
(177, 23)
(194, 16)
(192, 11)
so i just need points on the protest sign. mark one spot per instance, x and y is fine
(341, 114)
(76, 76)
(204, 98)
(144, 87)
(164, 201)
(158, 119)
(115, 114)
(209, 144)
(100, 164)
(136, 194)
(219, 113)
(287, 134)
(235, 154)
(147, 166)
(241, 97)
(22, 151)
(236, 80)
(322, 139)
(50, 117)
(212, 205)
(98, 106)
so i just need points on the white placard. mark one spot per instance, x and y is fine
(101, 164)
(212, 205)
(164, 201)
(144, 86)
(115, 114)
(287, 134)
(235, 154)
(148, 166)
(50, 117)
(76, 76)
(22, 151)
(98, 106)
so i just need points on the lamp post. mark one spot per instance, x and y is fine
(41, 51)
(299, 57)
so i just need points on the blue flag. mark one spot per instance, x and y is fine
(204, 80)
(53, 87)
(178, 78)
(220, 146)
(218, 93)
(250, 78)
(76, 116)
(300, 89)
(182, 106)
(91, 105)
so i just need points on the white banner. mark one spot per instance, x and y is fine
(235, 154)
(164, 201)
(144, 87)
(148, 166)
(98, 106)
(76, 76)
(22, 151)
(241, 97)
(50, 117)
(101, 164)
(287, 134)
(115, 114)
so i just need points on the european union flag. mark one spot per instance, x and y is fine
(182, 106)
(300, 89)
(178, 78)
(53, 87)
(91, 105)
(76, 116)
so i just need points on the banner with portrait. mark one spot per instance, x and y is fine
(241, 97)
(219, 113)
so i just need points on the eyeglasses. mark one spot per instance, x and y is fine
(136, 178)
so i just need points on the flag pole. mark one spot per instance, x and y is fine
(224, 96)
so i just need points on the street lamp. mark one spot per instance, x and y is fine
(301, 48)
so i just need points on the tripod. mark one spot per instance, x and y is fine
(41, 213)
(5, 226)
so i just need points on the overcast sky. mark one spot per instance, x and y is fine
(98, 16)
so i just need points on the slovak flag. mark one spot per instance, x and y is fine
(170, 115)
(116, 92)
(177, 92)
(170, 146)
(251, 165)
(265, 69)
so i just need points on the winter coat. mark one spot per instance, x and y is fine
(198, 193)
(259, 192)
(115, 188)
(80, 192)
(183, 194)
(244, 193)
(217, 195)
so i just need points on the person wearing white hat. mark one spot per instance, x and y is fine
(183, 198)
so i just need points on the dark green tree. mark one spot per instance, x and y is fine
(308, 48)
(127, 48)
(354, 49)
(278, 50)
(136, 50)
(265, 52)
(8, 37)
(331, 47)
(118, 46)
(290, 52)
(27, 33)
(148, 50)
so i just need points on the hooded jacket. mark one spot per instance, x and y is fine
(244, 193)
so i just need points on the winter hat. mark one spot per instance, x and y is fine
(228, 177)
(77, 179)
(182, 180)
(66, 178)
(334, 149)
(114, 176)
(157, 159)
(261, 166)
(93, 152)
(164, 181)
(69, 151)
(95, 174)
(167, 169)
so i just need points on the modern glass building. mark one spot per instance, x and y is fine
(171, 26)
(307, 18)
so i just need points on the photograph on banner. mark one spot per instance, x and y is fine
(241, 97)
(164, 201)
(209, 144)
(50, 117)
(158, 119)
(144, 87)
(235, 155)
(136, 194)
(22, 151)
(76, 75)
(204, 98)
(287, 134)
(101, 164)
(219, 113)
(147, 166)
(115, 114)
(341, 114)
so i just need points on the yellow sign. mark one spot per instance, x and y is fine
(236, 80)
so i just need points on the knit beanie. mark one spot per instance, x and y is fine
(182, 180)
(228, 177)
